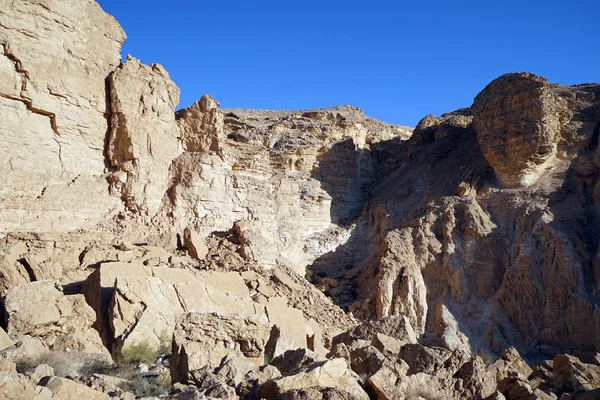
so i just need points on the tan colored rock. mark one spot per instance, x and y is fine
(384, 384)
(145, 309)
(200, 125)
(510, 362)
(575, 374)
(5, 340)
(99, 288)
(41, 371)
(14, 386)
(397, 327)
(204, 339)
(331, 373)
(53, 112)
(66, 389)
(291, 325)
(518, 119)
(143, 136)
(195, 244)
(62, 322)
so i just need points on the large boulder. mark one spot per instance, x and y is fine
(144, 309)
(518, 119)
(63, 322)
(330, 373)
(66, 389)
(204, 339)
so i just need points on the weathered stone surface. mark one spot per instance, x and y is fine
(145, 309)
(99, 288)
(518, 120)
(63, 322)
(195, 244)
(54, 60)
(204, 339)
(276, 196)
(14, 386)
(332, 373)
(66, 389)
(5, 340)
(397, 327)
(143, 137)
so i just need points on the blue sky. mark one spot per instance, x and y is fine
(396, 60)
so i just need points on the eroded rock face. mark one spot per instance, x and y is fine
(518, 119)
(203, 340)
(270, 174)
(143, 137)
(62, 322)
(54, 60)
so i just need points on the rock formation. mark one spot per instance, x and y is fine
(313, 254)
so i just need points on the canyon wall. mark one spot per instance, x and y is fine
(480, 226)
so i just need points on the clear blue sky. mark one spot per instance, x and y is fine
(397, 60)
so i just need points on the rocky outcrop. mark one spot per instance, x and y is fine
(204, 339)
(518, 119)
(143, 137)
(205, 229)
(263, 168)
(54, 58)
(471, 264)
(62, 322)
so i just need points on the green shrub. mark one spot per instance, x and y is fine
(138, 353)
(565, 383)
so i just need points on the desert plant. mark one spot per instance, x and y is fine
(486, 356)
(140, 385)
(565, 383)
(142, 352)
(67, 363)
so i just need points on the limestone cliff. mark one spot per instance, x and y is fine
(288, 254)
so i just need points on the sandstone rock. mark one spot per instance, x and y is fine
(200, 125)
(195, 244)
(99, 288)
(366, 361)
(143, 136)
(387, 344)
(423, 359)
(145, 309)
(234, 369)
(318, 393)
(5, 340)
(396, 327)
(67, 389)
(332, 373)
(16, 386)
(571, 374)
(291, 328)
(384, 384)
(54, 106)
(255, 378)
(518, 119)
(294, 361)
(510, 361)
(204, 339)
(63, 322)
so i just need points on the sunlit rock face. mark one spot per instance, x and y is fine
(290, 181)
(55, 57)
(518, 119)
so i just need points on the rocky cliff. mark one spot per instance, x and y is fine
(312, 254)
